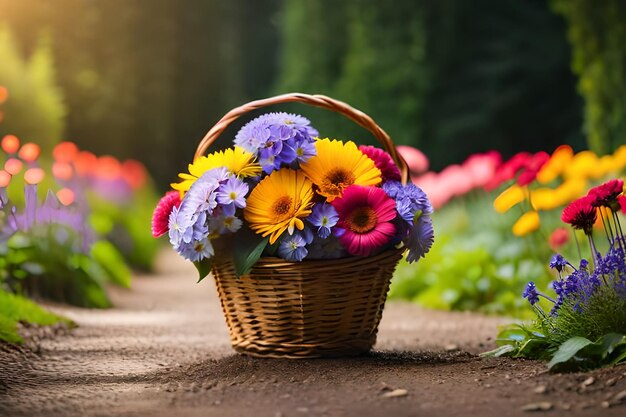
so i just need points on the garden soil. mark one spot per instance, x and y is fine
(164, 351)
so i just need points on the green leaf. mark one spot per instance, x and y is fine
(568, 350)
(499, 351)
(112, 263)
(204, 268)
(247, 251)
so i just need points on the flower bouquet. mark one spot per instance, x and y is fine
(302, 233)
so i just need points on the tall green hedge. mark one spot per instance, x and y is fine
(597, 33)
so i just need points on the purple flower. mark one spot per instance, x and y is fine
(180, 228)
(233, 192)
(196, 250)
(292, 248)
(324, 217)
(531, 294)
(299, 149)
(420, 238)
(277, 139)
(224, 223)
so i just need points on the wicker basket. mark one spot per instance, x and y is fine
(314, 308)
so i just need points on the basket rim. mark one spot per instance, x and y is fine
(273, 262)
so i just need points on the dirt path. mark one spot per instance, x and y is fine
(164, 351)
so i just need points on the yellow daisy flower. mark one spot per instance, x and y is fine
(278, 203)
(236, 160)
(338, 165)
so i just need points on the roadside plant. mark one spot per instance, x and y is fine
(581, 323)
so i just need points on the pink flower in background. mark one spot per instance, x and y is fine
(481, 167)
(415, 159)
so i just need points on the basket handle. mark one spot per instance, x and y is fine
(325, 102)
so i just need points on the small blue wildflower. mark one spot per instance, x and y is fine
(531, 294)
(558, 262)
(324, 217)
(293, 248)
(584, 263)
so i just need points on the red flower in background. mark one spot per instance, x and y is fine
(581, 214)
(607, 193)
(532, 167)
(558, 238)
(161, 215)
(508, 170)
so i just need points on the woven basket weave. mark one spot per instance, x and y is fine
(314, 308)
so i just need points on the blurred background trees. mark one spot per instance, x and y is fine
(146, 79)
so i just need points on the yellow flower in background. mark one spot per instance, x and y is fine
(509, 198)
(239, 162)
(278, 203)
(338, 165)
(620, 157)
(529, 222)
(545, 199)
(583, 165)
(556, 164)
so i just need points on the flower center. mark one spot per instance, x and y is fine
(282, 206)
(336, 180)
(362, 220)
(233, 195)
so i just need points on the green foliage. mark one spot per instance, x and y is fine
(34, 95)
(597, 33)
(572, 354)
(127, 226)
(475, 264)
(14, 309)
(45, 262)
(450, 77)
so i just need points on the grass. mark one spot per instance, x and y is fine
(15, 309)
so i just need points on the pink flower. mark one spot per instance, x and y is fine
(415, 159)
(160, 217)
(383, 161)
(481, 167)
(365, 215)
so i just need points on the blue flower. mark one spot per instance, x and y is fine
(531, 294)
(324, 217)
(411, 201)
(558, 262)
(292, 248)
(420, 238)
